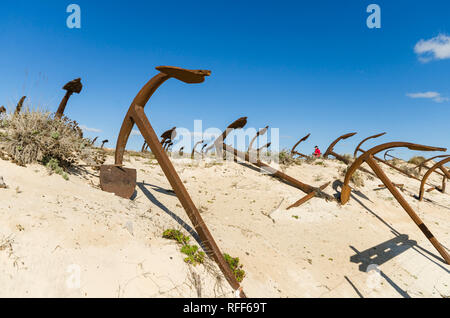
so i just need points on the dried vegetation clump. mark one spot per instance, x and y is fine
(35, 136)
(416, 160)
(286, 159)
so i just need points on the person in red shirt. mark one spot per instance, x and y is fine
(317, 152)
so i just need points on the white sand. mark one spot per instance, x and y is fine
(57, 228)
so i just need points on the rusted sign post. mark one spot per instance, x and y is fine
(437, 165)
(368, 157)
(127, 180)
(74, 86)
(294, 152)
(20, 105)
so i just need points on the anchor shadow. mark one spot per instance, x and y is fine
(381, 254)
(179, 220)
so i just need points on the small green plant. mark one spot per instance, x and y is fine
(194, 256)
(236, 268)
(176, 235)
(53, 165)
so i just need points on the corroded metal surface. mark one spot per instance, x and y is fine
(430, 171)
(237, 124)
(331, 147)
(307, 197)
(294, 152)
(136, 115)
(118, 180)
(364, 140)
(2, 110)
(74, 86)
(367, 157)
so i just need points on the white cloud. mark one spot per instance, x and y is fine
(85, 128)
(435, 96)
(437, 48)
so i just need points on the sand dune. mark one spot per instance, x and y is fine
(63, 238)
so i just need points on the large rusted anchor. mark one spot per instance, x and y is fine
(74, 86)
(122, 181)
(331, 152)
(245, 156)
(358, 148)
(294, 152)
(368, 157)
(437, 165)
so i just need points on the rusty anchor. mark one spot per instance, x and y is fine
(331, 152)
(250, 149)
(364, 140)
(168, 135)
(368, 157)
(144, 146)
(245, 156)
(19, 105)
(104, 142)
(195, 151)
(439, 164)
(294, 152)
(125, 179)
(263, 147)
(359, 149)
(237, 124)
(74, 86)
(423, 164)
(261, 132)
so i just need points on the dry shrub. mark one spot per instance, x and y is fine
(36, 136)
(416, 160)
(411, 171)
(286, 159)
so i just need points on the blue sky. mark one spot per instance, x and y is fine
(301, 66)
